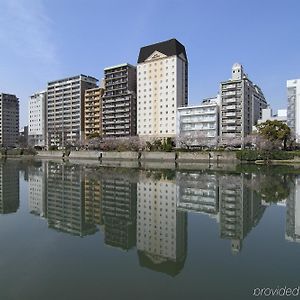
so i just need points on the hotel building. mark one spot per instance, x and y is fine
(162, 87)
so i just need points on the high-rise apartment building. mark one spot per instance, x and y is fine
(9, 120)
(241, 106)
(293, 111)
(37, 119)
(93, 111)
(119, 101)
(65, 110)
(162, 87)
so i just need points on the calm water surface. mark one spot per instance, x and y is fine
(71, 231)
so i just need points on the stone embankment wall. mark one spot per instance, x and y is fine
(143, 157)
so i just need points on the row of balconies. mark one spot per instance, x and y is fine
(115, 127)
(231, 128)
(127, 121)
(115, 87)
(105, 117)
(115, 93)
(116, 75)
(114, 111)
(231, 86)
(113, 82)
(114, 133)
(123, 99)
(188, 120)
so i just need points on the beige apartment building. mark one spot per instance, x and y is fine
(93, 111)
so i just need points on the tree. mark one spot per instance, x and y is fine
(275, 131)
(260, 142)
(196, 139)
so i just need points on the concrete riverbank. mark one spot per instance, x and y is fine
(170, 157)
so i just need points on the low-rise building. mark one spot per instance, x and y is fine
(199, 123)
(268, 115)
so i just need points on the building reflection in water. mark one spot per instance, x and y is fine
(148, 209)
(241, 208)
(230, 199)
(37, 187)
(65, 199)
(119, 209)
(9, 187)
(198, 192)
(161, 228)
(293, 211)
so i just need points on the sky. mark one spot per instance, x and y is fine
(45, 40)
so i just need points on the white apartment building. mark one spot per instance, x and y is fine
(161, 229)
(199, 122)
(241, 106)
(293, 111)
(162, 87)
(267, 114)
(37, 119)
(65, 109)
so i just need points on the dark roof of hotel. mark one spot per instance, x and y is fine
(169, 48)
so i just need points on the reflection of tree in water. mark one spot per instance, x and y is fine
(272, 187)
(158, 264)
(160, 174)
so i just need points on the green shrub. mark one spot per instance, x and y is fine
(252, 155)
